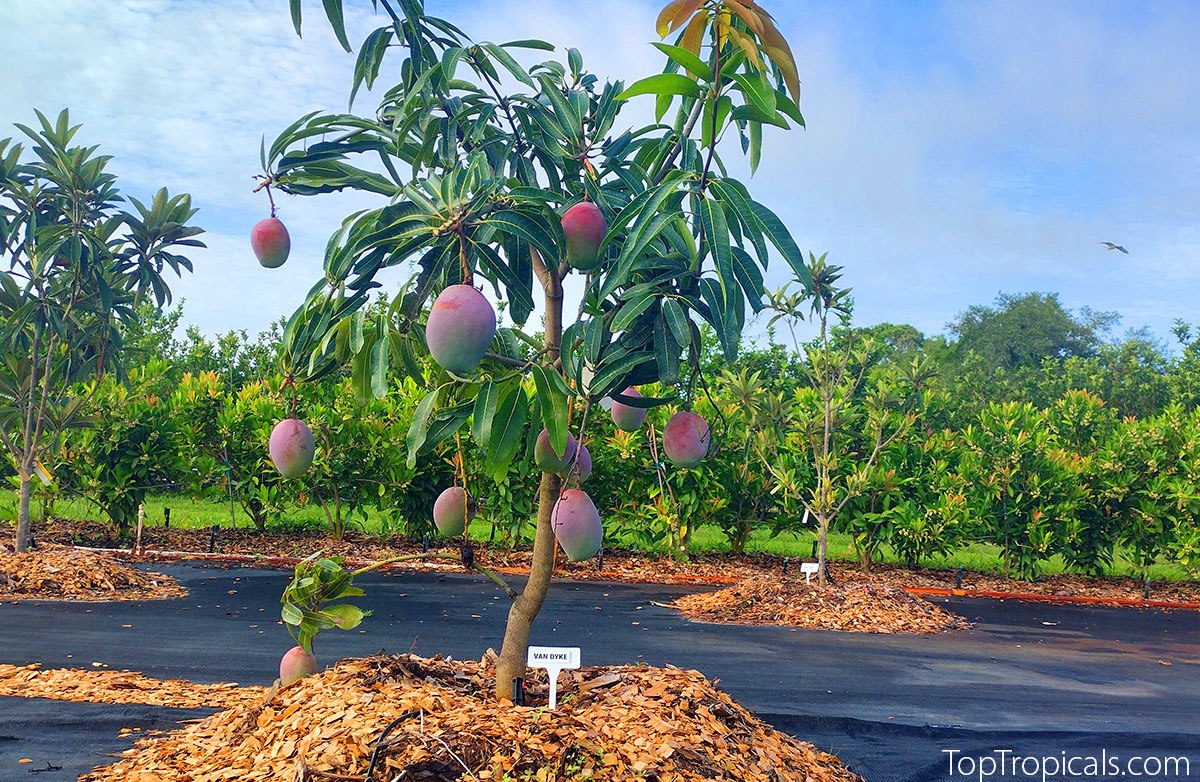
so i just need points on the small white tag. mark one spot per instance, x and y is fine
(554, 659)
(808, 569)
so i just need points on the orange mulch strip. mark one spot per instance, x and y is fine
(72, 684)
(611, 724)
(628, 566)
(1056, 585)
(64, 573)
(859, 608)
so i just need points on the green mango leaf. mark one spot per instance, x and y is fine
(370, 58)
(777, 232)
(666, 352)
(380, 357)
(631, 310)
(552, 395)
(529, 43)
(662, 84)
(344, 616)
(419, 429)
(507, 433)
(333, 10)
(690, 62)
(291, 615)
(510, 65)
(716, 236)
(525, 228)
(677, 320)
(484, 412)
(733, 195)
(757, 91)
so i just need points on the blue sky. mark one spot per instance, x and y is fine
(954, 150)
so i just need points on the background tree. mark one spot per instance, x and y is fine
(476, 183)
(844, 419)
(1023, 328)
(78, 266)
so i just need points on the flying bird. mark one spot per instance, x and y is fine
(1111, 246)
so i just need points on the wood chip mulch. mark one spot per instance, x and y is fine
(63, 573)
(858, 608)
(1057, 584)
(74, 684)
(629, 566)
(616, 723)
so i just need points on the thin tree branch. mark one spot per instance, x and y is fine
(515, 363)
(677, 147)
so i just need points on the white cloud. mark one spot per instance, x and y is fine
(938, 177)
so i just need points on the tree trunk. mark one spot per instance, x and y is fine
(822, 548)
(737, 540)
(525, 607)
(22, 542)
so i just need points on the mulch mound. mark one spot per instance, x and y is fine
(858, 608)
(74, 684)
(617, 723)
(63, 573)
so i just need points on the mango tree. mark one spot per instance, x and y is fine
(845, 418)
(77, 267)
(511, 176)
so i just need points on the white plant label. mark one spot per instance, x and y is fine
(554, 659)
(808, 569)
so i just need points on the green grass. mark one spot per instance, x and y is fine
(197, 514)
(982, 557)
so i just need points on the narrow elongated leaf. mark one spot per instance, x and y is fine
(716, 235)
(357, 320)
(418, 430)
(757, 90)
(724, 316)
(518, 292)
(632, 310)
(360, 374)
(296, 13)
(447, 421)
(666, 352)
(662, 84)
(485, 412)
(381, 353)
(569, 120)
(510, 65)
(370, 58)
(690, 62)
(552, 396)
(749, 276)
(733, 195)
(529, 43)
(528, 230)
(614, 370)
(333, 10)
(677, 320)
(777, 232)
(508, 430)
